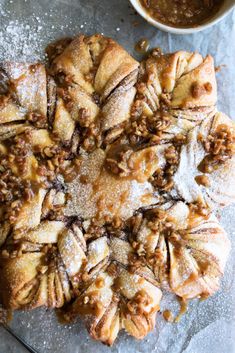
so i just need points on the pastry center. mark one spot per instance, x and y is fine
(97, 192)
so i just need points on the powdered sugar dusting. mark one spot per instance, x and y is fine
(19, 40)
(23, 38)
(207, 326)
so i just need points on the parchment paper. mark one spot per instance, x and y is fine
(26, 26)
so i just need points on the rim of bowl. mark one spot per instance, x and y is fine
(177, 30)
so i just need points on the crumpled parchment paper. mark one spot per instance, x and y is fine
(26, 26)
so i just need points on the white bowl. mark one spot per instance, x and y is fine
(226, 7)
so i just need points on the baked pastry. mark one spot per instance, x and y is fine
(188, 252)
(182, 85)
(97, 214)
(209, 156)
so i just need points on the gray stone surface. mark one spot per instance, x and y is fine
(8, 344)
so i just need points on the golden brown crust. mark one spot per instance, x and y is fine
(91, 150)
(27, 86)
(212, 145)
(181, 77)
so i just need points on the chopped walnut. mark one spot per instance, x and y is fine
(198, 89)
(203, 180)
(147, 128)
(162, 178)
(219, 145)
(138, 304)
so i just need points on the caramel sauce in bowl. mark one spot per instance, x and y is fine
(223, 9)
